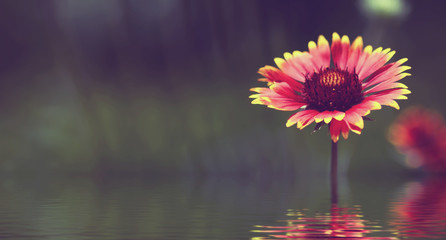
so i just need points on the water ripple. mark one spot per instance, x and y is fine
(338, 223)
(420, 212)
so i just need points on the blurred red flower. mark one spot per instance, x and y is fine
(420, 134)
(339, 94)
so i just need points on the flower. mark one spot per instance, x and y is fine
(420, 134)
(339, 94)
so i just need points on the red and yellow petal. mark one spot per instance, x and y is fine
(327, 116)
(339, 50)
(302, 118)
(320, 52)
(388, 73)
(354, 54)
(386, 80)
(364, 108)
(337, 128)
(386, 86)
(285, 90)
(354, 121)
(388, 96)
(297, 65)
(273, 74)
(279, 96)
(373, 61)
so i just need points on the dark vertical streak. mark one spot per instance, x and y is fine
(334, 172)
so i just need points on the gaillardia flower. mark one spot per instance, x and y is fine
(420, 134)
(337, 85)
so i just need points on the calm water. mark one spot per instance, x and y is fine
(220, 208)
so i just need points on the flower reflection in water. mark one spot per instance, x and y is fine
(421, 212)
(339, 223)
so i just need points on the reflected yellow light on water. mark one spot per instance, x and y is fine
(338, 223)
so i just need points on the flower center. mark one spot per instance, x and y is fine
(332, 89)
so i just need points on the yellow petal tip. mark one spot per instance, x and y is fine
(311, 45)
(356, 131)
(318, 120)
(405, 91)
(340, 116)
(279, 62)
(327, 120)
(394, 105)
(357, 43)
(335, 139)
(336, 37)
(368, 49)
(375, 106)
(321, 41)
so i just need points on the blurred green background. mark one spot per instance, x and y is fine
(160, 87)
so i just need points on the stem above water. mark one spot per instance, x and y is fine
(334, 172)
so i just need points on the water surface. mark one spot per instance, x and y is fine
(65, 208)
